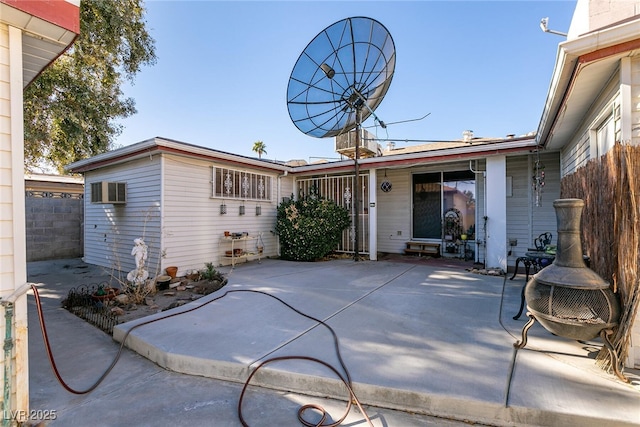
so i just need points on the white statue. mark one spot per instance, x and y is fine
(139, 252)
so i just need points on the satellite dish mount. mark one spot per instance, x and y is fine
(338, 81)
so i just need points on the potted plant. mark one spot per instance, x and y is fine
(172, 271)
(105, 293)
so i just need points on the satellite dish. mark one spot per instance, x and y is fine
(341, 77)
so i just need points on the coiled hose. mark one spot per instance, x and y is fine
(345, 377)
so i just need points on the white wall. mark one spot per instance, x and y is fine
(525, 220)
(192, 223)
(13, 263)
(394, 210)
(496, 212)
(111, 228)
(635, 107)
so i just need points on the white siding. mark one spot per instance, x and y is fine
(525, 220)
(519, 206)
(394, 211)
(192, 223)
(576, 153)
(111, 228)
(582, 147)
(635, 108)
(394, 207)
(13, 263)
(543, 218)
(6, 193)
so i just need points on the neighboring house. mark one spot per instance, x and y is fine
(54, 210)
(32, 35)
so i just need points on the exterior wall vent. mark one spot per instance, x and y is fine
(109, 192)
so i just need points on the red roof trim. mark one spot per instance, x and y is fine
(583, 61)
(156, 149)
(58, 12)
(609, 51)
(411, 162)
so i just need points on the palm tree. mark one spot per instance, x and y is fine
(260, 148)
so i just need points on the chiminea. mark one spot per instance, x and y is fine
(567, 298)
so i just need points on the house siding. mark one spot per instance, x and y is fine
(635, 110)
(6, 171)
(394, 211)
(576, 153)
(394, 226)
(192, 224)
(111, 228)
(582, 147)
(525, 220)
(519, 206)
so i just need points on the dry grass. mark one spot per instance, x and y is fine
(611, 230)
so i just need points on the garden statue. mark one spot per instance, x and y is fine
(140, 274)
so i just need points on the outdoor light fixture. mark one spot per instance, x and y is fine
(241, 209)
(543, 26)
(223, 209)
(328, 71)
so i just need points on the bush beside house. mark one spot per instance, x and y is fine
(310, 228)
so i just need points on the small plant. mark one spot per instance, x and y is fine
(210, 273)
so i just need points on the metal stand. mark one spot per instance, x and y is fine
(604, 335)
(520, 344)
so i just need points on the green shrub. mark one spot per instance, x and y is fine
(210, 273)
(310, 228)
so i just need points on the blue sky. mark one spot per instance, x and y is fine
(223, 69)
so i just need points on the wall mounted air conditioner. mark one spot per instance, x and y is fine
(109, 192)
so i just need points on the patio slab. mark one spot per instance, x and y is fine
(423, 338)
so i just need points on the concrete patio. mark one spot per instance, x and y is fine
(419, 337)
(423, 337)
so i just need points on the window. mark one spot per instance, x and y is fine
(235, 184)
(605, 136)
(608, 132)
(436, 198)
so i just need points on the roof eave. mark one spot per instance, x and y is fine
(423, 157)
(571, 56)
(158, 145)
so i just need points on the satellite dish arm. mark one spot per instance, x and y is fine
(364, 101)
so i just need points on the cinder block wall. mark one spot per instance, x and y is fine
(54, 226)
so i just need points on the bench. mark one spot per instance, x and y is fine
(423, 248)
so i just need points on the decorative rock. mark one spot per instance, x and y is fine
(117, 311)
(174, 285)
(181, 288)
(169, 294)
(122, 299)
(148, 301)
(174, 305)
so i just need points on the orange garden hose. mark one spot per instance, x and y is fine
(344, 376)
